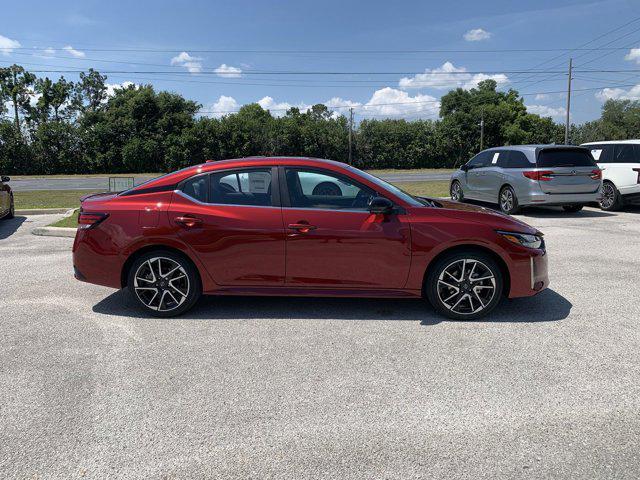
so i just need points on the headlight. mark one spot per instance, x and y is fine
(523, 239)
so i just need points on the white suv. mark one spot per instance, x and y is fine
(620, 164)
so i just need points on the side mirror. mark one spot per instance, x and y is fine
(380, 205)
(4, 179)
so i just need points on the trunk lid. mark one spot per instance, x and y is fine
(567, 170)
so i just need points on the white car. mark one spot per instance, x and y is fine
(620, 164)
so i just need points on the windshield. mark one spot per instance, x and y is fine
(410, 199)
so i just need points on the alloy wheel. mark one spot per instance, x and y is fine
(456, 192)
(506, 200)
(466, 286)
(161, 284)
(608, 196)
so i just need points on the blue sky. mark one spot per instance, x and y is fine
(178, 38)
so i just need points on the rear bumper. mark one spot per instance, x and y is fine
(529, 276)
(94, 261)
(559, 199)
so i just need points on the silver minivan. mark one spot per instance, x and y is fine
(521, 175)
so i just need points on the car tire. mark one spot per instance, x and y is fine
(164, 283)
(611, 198)
(451, 289)
(508, 201)
(12, 209)
(572, 208)
(456, 192)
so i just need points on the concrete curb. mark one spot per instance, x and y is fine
(42, 211)
(54, 232)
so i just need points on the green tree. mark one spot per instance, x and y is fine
(15, 84)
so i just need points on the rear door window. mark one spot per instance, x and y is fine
(515, 159)
(602, 153)
(564, 157)
(248, 187)
(626, 153)
(196, 187)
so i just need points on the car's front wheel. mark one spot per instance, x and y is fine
(163, 283)
(457, 194)
(464, 285)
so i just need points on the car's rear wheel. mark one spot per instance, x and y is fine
(611, 199)
(456, 192)
(464, 285)
(163, 283)
(508, 201)
(572, 208)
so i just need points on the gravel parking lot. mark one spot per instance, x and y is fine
(324, 388)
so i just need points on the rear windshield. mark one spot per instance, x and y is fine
(565, 158)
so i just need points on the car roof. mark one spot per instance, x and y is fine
(531, 148)
(178, 176)
(611, 142)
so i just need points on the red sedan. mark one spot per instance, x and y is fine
(301, 226)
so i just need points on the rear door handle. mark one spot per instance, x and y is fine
(301, 227)
(188, 221)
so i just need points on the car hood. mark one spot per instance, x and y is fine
(482, 215)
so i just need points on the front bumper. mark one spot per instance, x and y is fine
(559, 199)
(530, 276)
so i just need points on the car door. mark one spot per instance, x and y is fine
(474, 174)
(620, 171)
(333, 240)
(492, 175)
(232, 220)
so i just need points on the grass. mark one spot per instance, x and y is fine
(410, 171)
(68, 222)
(87, 175)
(49, 198)
(425, 189)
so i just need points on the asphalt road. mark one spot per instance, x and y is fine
(547, 387)
(98, 183)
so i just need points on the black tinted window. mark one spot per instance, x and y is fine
(480, 160)
(196, 187)
(602, 153)
(323, 189)
(626, 153)
(517, 160)
(242, 187)
(565, 157)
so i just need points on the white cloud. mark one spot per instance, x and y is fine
(228, 71)
(48, 52)
(191, 63)
(633, 55)
(73, 52)
(223, 106)
(477, 35)
(542, 96)
(395, 103)
(7, 45)
(449, 76)
(279, 109)
(112, 87)
(619, 94)
(547, 111)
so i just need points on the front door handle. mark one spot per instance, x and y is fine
(302, 227)
(189, 222)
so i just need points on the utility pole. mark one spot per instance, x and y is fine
(350, 132)
(566, 125)
(482, 128)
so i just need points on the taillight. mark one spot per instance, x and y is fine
(88, 220)
(540, 175)
(637, 170)
(596, 174)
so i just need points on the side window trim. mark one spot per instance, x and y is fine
(275, 186)
(284, 188)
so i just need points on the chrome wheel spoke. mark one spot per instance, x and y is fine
(161, 284)
(466, 286)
